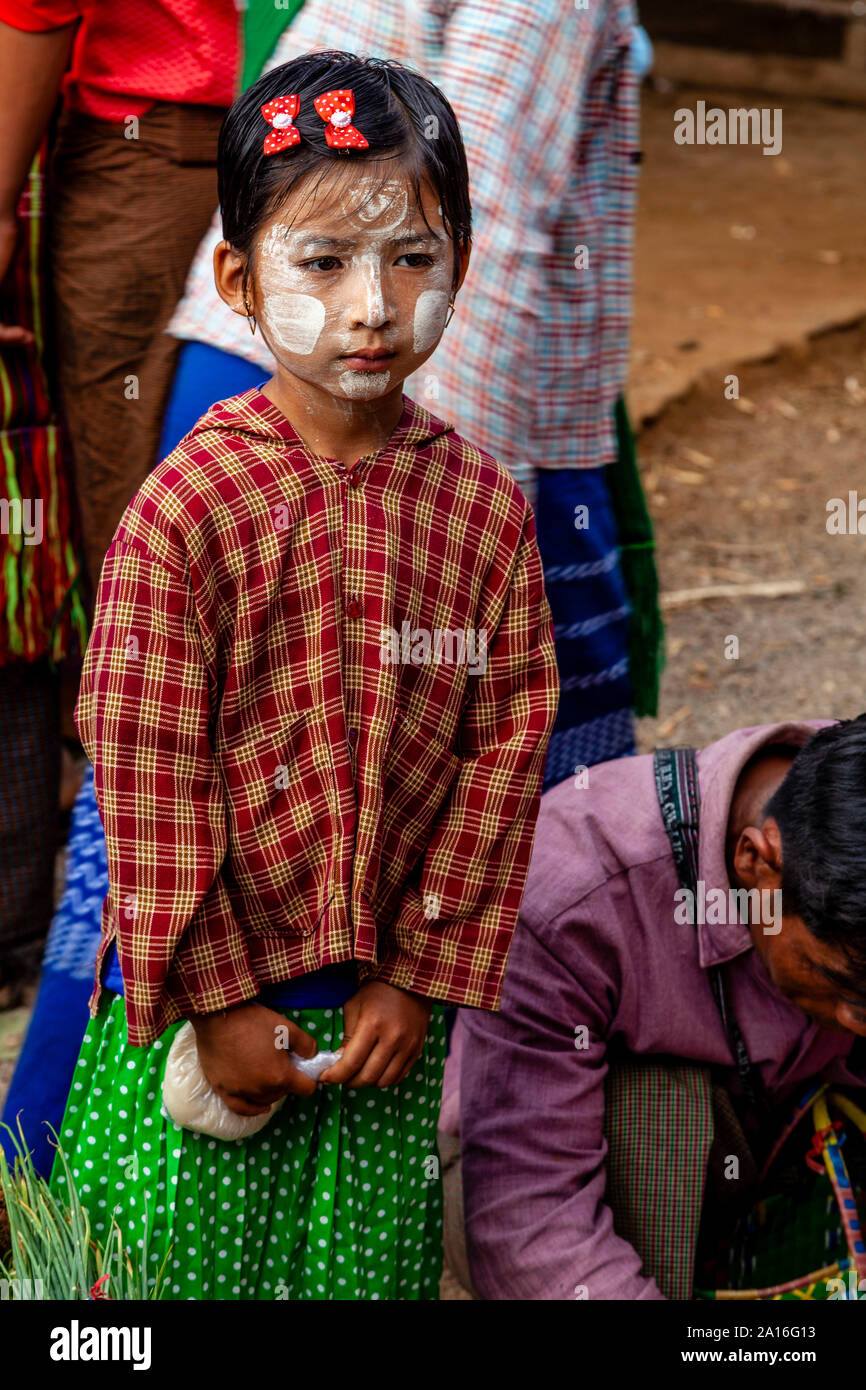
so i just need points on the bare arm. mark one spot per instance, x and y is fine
(31, 70)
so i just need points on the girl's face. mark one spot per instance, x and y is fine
(365, 275)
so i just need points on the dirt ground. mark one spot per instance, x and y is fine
(739, 496)
(739, 255)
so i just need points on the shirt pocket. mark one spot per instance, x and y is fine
(281, 813)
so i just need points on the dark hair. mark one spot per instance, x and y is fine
(820, 809)
(404, 117)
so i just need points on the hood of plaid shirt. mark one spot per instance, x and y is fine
(254, 414)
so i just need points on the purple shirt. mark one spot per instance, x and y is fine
(597, 946)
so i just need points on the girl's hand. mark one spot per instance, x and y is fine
(244, 1056)
(384, 1032)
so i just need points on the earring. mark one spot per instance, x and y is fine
(250, 317)
(450, 313)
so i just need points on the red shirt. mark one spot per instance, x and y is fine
(129, 54)
(286, 781)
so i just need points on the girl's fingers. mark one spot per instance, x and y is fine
(357, 1050)
(240, 1105)
(296, 1084)
(396, 1069)
(376, 1065)
(10, 333)
(303, 1043)
(408, 1067)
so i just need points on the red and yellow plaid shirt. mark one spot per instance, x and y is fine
(317, 701)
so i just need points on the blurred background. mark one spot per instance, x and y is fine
(754, 265)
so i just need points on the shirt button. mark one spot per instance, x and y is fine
(354, 480)
(353, 608)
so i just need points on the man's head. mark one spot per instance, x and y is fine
(809, 840)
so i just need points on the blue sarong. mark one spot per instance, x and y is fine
(41, 1081)
(591, 611)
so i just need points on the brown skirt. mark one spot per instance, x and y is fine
(127, 217)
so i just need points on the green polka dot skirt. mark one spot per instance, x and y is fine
(338, 1197)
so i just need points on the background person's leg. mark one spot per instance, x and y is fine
(46, 1063)
(578, 539)
(29, 719)
(127, 217)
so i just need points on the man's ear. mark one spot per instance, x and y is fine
(228, 274)
(773, 840)
(758, 853)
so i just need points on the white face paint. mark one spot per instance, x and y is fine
(431, 311)
(294, 321)
(364, 386)
(388, 210)
(390, 204)
(321, 302)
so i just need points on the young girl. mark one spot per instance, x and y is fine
(317, 698)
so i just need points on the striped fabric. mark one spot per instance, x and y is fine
(278, 792)
(659, 1129)
(41, 613)
(547, 96)
(591, 611)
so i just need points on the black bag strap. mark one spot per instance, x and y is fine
(679, 796)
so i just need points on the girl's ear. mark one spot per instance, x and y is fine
(228, 274)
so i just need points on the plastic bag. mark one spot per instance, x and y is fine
(190, 1100)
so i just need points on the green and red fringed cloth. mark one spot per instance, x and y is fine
(41, 573)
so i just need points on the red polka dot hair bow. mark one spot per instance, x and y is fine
(280, 113)
(338, 108)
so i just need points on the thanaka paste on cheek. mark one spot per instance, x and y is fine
(294, 321)
(431, 311)
(365, 295)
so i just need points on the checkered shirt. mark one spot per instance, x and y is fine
(287, 775)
